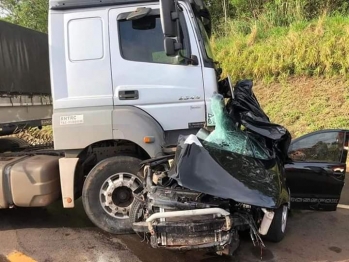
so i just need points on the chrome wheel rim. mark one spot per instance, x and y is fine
(284, 218)
(116, 194)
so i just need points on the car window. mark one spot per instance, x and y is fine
(325, 147)
(145, 43)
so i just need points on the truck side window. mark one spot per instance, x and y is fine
(142, 40)
(85, 39)
(206, 39)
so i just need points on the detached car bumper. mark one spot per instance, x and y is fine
(188, 229)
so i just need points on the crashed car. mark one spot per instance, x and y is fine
(220, 183)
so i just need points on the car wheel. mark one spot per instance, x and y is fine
(137, 215)
(107, 194)
(278, 226)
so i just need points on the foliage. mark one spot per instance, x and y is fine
(28, 13)
(297, 53)
(316, 48)
(274, 12)
(283, 12)
(306, 104)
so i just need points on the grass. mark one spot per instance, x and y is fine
(261, 51)
(301, 72)
(306, 104)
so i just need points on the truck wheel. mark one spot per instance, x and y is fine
(278, 226)
(107, 194)
(12, 143)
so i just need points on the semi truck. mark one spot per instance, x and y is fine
(121, 80)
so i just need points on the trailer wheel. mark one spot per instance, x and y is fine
(12, 143)
(107, 193)
(278, 226)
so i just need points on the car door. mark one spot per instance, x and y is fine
(316, 174)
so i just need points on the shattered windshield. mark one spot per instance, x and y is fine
(243, 165)
(228, 136)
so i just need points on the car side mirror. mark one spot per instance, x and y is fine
(169, 15)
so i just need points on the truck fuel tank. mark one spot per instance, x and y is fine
(29, 181)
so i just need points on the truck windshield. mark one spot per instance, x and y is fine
(205, 38)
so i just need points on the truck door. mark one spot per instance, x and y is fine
(167, 88)
(317, 173)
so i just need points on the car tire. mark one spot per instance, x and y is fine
(137, 215)
(136, 208)
(107, 193)
(277, 228)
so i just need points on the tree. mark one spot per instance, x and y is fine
(28, 13)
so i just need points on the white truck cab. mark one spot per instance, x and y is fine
(127, 78)
(101, 62)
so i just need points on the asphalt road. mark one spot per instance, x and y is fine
(57, 234)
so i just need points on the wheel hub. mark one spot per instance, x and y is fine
(122, 196)
(116, 194)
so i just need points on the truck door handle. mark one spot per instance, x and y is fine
(128, 95)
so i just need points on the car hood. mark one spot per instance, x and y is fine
(206, 168)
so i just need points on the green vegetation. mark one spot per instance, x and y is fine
(273, 13)
(315, 48)
(306, 104)
(297, 53)
(28, 13)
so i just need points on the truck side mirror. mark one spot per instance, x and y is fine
(171, 46)
(170, 26)
(169, 17)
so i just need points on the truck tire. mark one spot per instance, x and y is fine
(12, 143)
(107, 193)
(278, 226)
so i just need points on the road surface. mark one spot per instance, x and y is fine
(57, 234)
